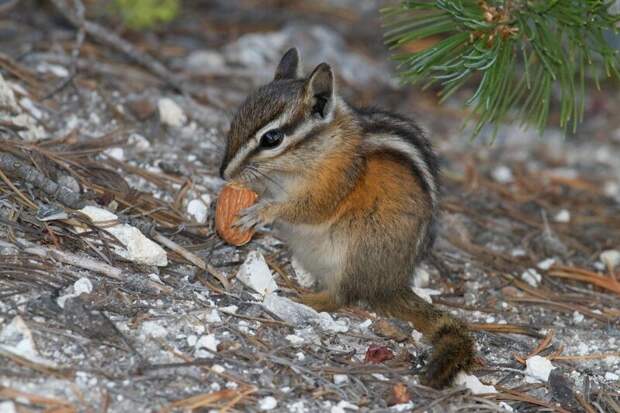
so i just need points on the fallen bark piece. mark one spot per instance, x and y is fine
(386, 328)
(378, 354)
(72, 259)
(136, 247)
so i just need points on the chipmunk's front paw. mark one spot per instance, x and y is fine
(253, 216)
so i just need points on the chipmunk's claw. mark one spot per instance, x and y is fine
(249, 218)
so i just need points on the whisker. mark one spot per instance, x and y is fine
(258, 173)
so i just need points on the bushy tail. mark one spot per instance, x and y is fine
(453, 347)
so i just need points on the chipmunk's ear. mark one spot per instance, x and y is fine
(319, 90)
(289, 66)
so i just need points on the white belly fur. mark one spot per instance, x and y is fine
(321, 255)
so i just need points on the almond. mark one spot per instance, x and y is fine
(231, 201)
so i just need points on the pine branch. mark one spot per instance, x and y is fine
(522, 53)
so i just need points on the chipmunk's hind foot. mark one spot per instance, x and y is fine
(321, 301)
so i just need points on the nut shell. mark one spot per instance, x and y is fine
(231, 201)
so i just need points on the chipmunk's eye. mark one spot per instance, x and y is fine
(271, 138)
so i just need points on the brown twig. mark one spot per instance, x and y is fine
(71, 259)
(109, 38)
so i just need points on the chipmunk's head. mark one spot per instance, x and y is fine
(269, 138)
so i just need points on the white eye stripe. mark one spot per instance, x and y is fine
(253, 143)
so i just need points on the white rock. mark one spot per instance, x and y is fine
(255, 273)
(340, 378)
(578, 317)
(232, 309)
(300, 356)
(532, 277)
(295, 340)
(611, 258)
(421, 278)
(562, 216)
(192, 340)
(16, 338)
(214, 317)
(546, 264)
(218, 369)
(502, 174)
(289, 310)
(115, 153)
(152, 328)
(327, 323)
(506, 407)
(208, 342)
(7, 407)
(402, 407)
(379, 376)
(34, 132)
(7, 97)
(426, 293)
(343, 406)
(28, 105)
(137, 247)
(56, 70)
(417, 336)
(94, 118)
(197, 210)
(583, 348)
(364, 325)
(611, 189)
(611, 376)
(231, 385)
(267, 403)
(139, 142)
(304, 278)
(204, 61)
(472, 383)
(297, 313)
(83, 285)
(155, 278)
(170, 113)
(537, 369)
(298, 407)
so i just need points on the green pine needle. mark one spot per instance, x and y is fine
(524, 54)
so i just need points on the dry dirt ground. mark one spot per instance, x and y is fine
(85, 326)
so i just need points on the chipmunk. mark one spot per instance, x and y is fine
(353, 193)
